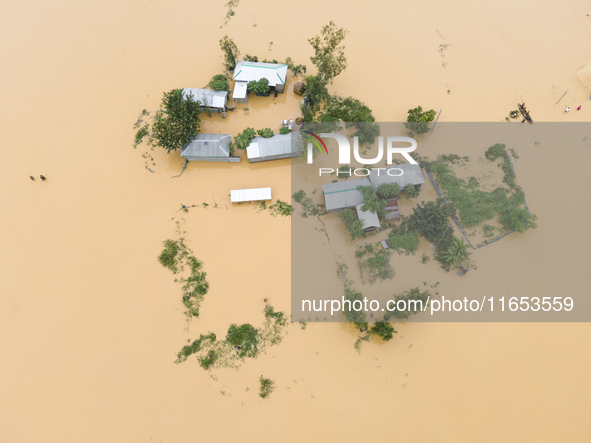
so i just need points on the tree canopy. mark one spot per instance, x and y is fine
(418, 120)
(329, 54)
(178, 121)
(219, 82)
(230, 51)
(371, 201)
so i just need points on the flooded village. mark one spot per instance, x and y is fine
(147, 289)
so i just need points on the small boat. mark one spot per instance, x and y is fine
(524, 113)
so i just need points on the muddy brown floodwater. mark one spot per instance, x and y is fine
(90, 323)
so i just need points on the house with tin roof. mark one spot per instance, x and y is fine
(209, 148)
(274, 148)
(214, 101)
(245, 72)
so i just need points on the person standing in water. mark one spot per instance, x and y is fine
(567, 109)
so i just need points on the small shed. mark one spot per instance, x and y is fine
(344, 194)
(240, 92)
(215, 101)
(392, 211)
(209, 148)
(370, 220)
(404, 174)
(250, 195)
(274, 148)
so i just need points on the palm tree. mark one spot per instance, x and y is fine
(456, 254)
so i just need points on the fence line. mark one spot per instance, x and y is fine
(455, 220)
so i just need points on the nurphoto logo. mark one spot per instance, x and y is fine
(392, 148)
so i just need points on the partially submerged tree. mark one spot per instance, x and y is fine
(179, 120)
(418, 120)
(383, 329)
(371, 201)
(259, 87)
(352, 224)
(456, 253)
(242, 140)
(244, 338)
(230, 51)
(329, 55)
(389, 190)
(355, 316)
(219, 82)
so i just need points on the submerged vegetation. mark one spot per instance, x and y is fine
(474, 206)
(267, 387)
(241, 342)
(176, 256)
(418, 120)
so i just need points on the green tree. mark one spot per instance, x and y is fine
(245, 338)
(431, 221)
(352, 224)
(315, 90)
(259, 86)
(329, 54)
(389, 190)
(357, 317)
(219, 82)
(265, 133)
(242, 140)
(371, 201)
(230, 51)
(456, 253)
(179, 120)
(518, 219)
(383, 329)
(284, 130)
(267, 386)
(418, 120)
(412, 191)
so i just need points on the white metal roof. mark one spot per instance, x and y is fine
(207, 97)
(239, 90)
(369, 219)
(343, 194)
(248, 71)
(207, 145)
(250, 195)
(280, 145)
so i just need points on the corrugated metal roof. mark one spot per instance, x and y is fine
(207, 145)
(369, 219)
(250, 195)
(248, 71)
(343, 194)
(412, 174)
(278, 146)
(207, 97)
(240, 90)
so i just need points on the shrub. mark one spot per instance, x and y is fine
(408, 242)
(219, 83)
(412, 191)
(168, 256)
(357, 317)
(495, 152)
(383, 329)
(245, 338)
(259, 86)
(352, 224)
(389, 190)
(242, 140)
(418, 120)
(265, 133)
(518, 219)
(267, 386)
(284, 130)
